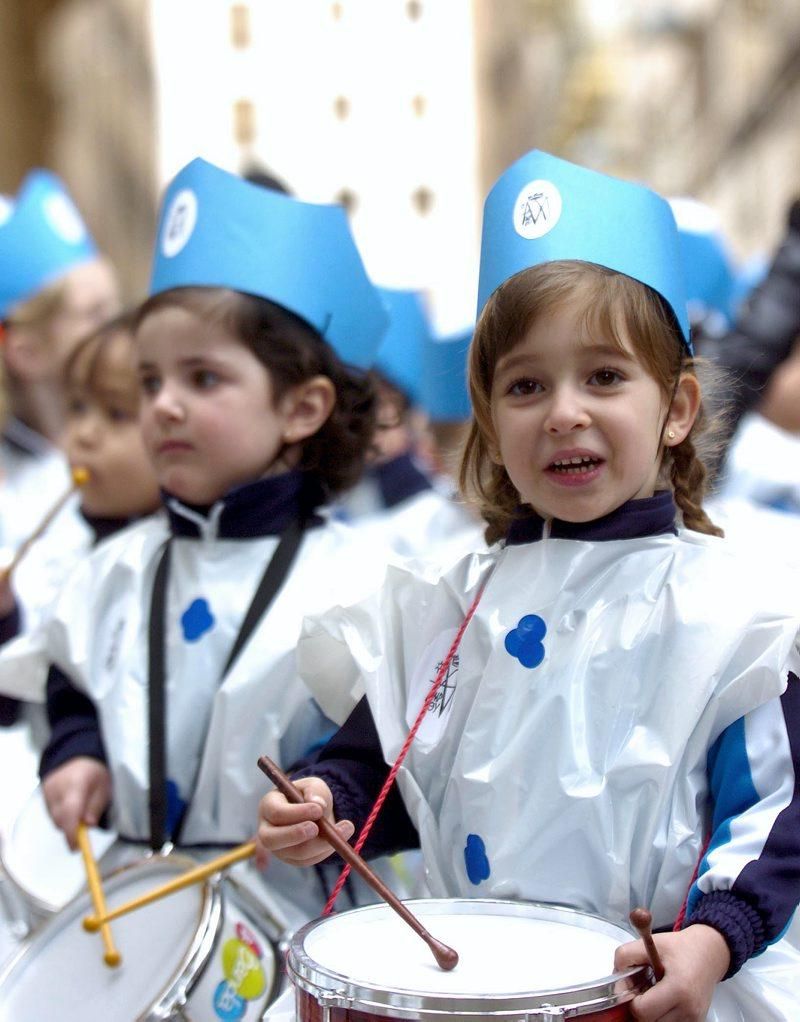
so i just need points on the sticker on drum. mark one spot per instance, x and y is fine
(516, 960)
(37, 859)
(193, 955)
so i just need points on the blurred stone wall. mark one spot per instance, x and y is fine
(695, 97)
(76, 96)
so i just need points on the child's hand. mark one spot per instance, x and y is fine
(694, 959)
(78, 790)
(290, 831)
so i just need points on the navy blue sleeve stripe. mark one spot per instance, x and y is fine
(771, 883)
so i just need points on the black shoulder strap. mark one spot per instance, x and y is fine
(268, 588)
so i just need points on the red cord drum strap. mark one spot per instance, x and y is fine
(387, 784)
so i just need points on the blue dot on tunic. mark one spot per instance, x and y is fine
(525, 641)
(476, 859)
(197, 619)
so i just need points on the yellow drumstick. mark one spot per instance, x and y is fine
(80, 476)
(192, 876)
(111, 957)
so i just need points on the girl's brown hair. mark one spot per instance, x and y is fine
(613, 306)
(86, 358)
(293, 352)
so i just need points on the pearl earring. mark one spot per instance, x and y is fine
(671, 434)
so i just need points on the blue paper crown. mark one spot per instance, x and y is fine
(544, 209)
(707, 265)
(445, 396)
(42, 237)
(217, 230)
(399, 357)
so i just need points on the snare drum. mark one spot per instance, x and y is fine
(516, 960)
(38, 862)
(202, 954)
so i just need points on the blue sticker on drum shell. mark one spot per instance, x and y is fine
(476, 859)
(227, 1003)
(196, 620)
(525, 641)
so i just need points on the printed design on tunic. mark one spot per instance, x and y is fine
(476, 860)
(525, 641)
(446, 690)
(197, 619)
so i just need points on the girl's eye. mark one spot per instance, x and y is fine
(77, 406)
(524, 388)
(205, 378)
(120, 415)
(149, 384)
(606, 377)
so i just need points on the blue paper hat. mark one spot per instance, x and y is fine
(399, 357)
(217, 230)
(544, 209)
(42, 237)
(707, 265)
(445, 396)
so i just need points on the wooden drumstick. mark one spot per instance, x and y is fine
(111, 957)
(192, 876)
(80, 476)
(642, 920)
(446, 957)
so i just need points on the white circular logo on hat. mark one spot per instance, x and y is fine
(64, 218)
(537, 209)
(179, 222)
(6, 209)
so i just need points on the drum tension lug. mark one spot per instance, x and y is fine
(546, 1011)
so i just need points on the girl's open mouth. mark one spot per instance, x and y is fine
(581, 465)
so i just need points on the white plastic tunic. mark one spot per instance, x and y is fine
(565, 759)
(215, 732)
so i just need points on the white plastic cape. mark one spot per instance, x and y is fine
(430, 527)
(565, 760)
(763, 464)
(97, 635)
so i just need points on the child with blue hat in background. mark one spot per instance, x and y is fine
(178, 635)
(397, 497)
(619, 725)
(54, 288)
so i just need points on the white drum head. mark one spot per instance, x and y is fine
(37, 858)
(512, 956)
(60, 974)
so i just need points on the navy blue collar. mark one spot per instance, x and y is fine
(261, 508)
(399, 479)
(650, 516)
(102, 528)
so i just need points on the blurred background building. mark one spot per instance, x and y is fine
(404, 110)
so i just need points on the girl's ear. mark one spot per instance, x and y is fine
(306, 408)
(683, 410)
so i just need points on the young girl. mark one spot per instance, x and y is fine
(397, 498)
(182, 631)
(617, 726)
(55, 288)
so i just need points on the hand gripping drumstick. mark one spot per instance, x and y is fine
(111, 957)
(192, 876)
(80, 477)
(641, 920)
(446, 957)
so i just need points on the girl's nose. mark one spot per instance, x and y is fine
(167, 405)
(566, 412)
(88, 430)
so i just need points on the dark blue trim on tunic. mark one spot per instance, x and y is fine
(399, 480)
(649, 516)
(261, 508)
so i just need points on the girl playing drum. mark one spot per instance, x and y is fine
(618, 723)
